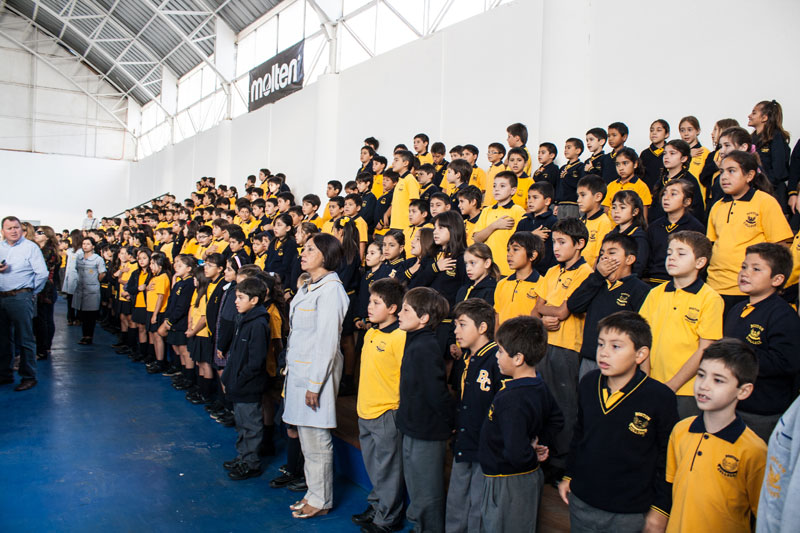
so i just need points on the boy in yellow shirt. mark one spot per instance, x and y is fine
(496, 224)
(714, 461)
(591, 190)
(478, 177)
(495, 154)
(407, 189)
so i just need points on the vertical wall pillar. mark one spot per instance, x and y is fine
(225, 59)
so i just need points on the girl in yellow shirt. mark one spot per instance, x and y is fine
(156, 297)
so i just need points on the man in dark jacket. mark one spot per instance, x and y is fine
(245, 376)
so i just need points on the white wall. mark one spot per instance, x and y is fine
(58, 189)
(559, 66)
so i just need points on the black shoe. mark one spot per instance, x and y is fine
(242, 471)
(26, 384)
(282, 481)
(41, 356)
(283, 469)
(364, 518)
(230, 465)
(219, 413)
(85, 340)
(227, 420)
(298, 485)
(118, 344)
(156, 368)
(124, 350)
(139, 357)
(199, 399)
(182, 385)
(216, 405)
(375, 528)
(171, 370)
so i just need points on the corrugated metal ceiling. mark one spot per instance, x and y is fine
(127, 39)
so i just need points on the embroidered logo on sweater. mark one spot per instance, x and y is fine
(754, 337)
(729, 466)
(639, 424)
(622, 301)
(484, 380)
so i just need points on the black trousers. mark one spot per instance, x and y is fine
(88, 320)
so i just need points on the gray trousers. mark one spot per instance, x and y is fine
(687, 406)
(762, 425)
(16, 322)
(250, 426)
(587, 365)
(318, 450)
(423, 470)
(511, 503)
(559, 370)
(583, 518)
(464, 498)
(382, 451)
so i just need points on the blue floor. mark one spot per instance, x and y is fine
(99, 445)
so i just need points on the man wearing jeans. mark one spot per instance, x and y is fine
(23, 274)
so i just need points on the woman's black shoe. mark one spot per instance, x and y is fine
(85, 340)
(41, 356)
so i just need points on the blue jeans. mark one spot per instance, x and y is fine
(16, 312)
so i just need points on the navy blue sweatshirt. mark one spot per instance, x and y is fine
(280, 257)
(227, 319)
(245, 374)
(180, 299)
(658, 233)
(531, 222)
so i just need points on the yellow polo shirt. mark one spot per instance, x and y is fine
(498, 240)
(248, 227)
(327, 227)
(167, 249)
(493, 171)
(316, 220)
(425, 159)
(733, 225)
(159, 285)
(189, 247)
(716, 477)
(557, 286)
(217, 246)
(478, 178)
(515, 297)
(409, 233)
(795, 249)
(407, 189)
(469, 227)
(598, 225)
(124, 277)
(261, 260)
(198, 311)
(634, 184)
(679, 319)
(377, 186)
(381, 357)
(140, 296)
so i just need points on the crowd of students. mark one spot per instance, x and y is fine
(625, 322)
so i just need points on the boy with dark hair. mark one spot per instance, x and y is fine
(407, 189)
(617, 135)
(495, 154)
(522, 420)
(458, 178)
(352, 209)
(612, 287)
(378, 167)
(425, 413)
(570, 174)
(440, 203)
(615, 470)
(548, 170)
(372, 142)
(350, 187)
(368, 200)
(285, 201)
(421, 142)
(425, 175)
(438, 152)
(311, 203)
(335, 208)
(479, 379)
(496, 224)
(274, 186)
(714, 460)
(686, 317)
(539, 220)
(365, 156)
(517, 161)
(333, 190)
(383, 208)
(477, 177)
(518, 138)
(297, 214)
(560, 366)
(245, 376)
(595, 141)
(469, 203)
(377, 404)
(271, 209)
(770, 326)
(259, 208)
(418, 216)
(516, 294)
(591, 191)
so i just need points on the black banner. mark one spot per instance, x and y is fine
(277, 77)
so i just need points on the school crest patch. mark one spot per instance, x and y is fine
(622, 301)
(751, 219)
(639, 424)
(692, 315)
(531, 294)
(381, 347)
(729, 466)
(754, 337)
(484, 380)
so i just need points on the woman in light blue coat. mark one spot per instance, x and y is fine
(314, 368)
(90, 268)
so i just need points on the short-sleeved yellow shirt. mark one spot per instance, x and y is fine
(407, 189)
(498, 240)
(381, 357)
(557, 286)
(159, 285)
(598, 226)
(515, 297)
(634, 184)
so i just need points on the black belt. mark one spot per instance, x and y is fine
(14, 292)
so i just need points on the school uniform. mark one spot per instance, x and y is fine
(478, 178)
(383, 205)
(348, 273)
(314, 219)
(561, 364)
(125, 306)
(642, 246)
(409, 234)
(521, 411)
(425, 158)
(515, 297)
(598, 226)
(138, 278)
(520, 197)
(367, 212)
(362, 294)
(217, 246)
(425, 418)
(770, 327)
(634, 184)
(280, 255)
(469, 228)
(609, 166)
(493, 170)
(549, 173)
(445, 282)
(679, 318)
(696, 208)
(618, 453)
(710, 472)
(407, 189)
(213, 302)
(567, 189)
(658, 233)
(595, 163)
(439, 178)
(531, 222)
(177, 312)
(498, 240)
(245, 379)
(199, 345)
(480, 379)
(652, 159)
(249, 227)
(484, 290)
(733, 225)
(454, 196)
(226, 325)
(377, 403)
(426, 192)
(598, 298)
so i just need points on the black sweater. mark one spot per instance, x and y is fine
(180, 299)
(426, 407)
(522, 410)
(617, 458)
(658, 233)
(531, 222)
(772, 329)
(245, 374)
(213, 305)
(280, 256)
(226, 325)
(483, 290)
(642, 247)
(595, 298)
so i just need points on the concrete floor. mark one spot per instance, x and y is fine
(99, 445)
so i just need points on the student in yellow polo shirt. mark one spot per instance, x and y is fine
(745, 215)
(496, 224)
(478, 177)
(418, 216)
(335, 209)
(685, 315)
(517, 138)
(716, 464)
(421, 142)
(333, 190)
(630, 172)
(591, 190)
(495, 154)
(560, 366)
(407, 189)
(516, 295)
